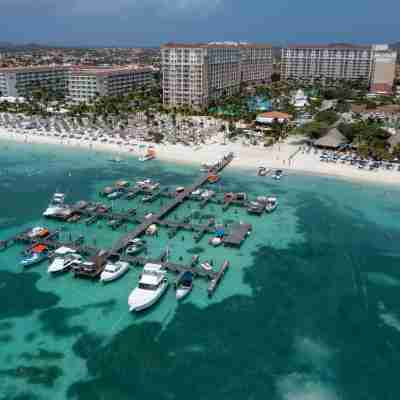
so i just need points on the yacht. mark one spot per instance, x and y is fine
(113, 271)
(271, 205)
(56, 205)
(184, 286)
(63, 260)
(152, 285)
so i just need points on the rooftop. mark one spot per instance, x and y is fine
(84, 70)
(333, 46)
(34, 68)
(217, 45)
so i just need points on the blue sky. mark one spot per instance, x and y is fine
(151, 22)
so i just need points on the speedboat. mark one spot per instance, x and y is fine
(152, 285)
(277, 175)
(151, 230)
(56, 205)
(262, 171)
(206, 266)
(116, 194)
(215, 241)
(135, 246)
(38, 254)
(271, 205)
(38, 232)
(113, 271)
(184, 286)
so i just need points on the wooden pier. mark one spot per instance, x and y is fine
(176, 202)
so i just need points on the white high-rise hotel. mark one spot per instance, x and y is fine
(195, 74)
(371, 64)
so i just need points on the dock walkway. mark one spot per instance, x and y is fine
(122, 243)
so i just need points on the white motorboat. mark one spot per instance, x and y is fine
(271, 205)
(184, 286)
(152, 285)
(62, 264)
(113, 271)
(147, 157)
(277, 175)
(56, 205)
(206, 266)
(215, 241)
(151, 230)
(37, 232)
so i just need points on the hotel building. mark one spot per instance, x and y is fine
(370, 64)
(86, 83)
(383, 69)
(196, 74)
(18, 81)
(79, 84)
(326, 62)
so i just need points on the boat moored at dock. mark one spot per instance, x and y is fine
(152, 285)
(114, 270)
(184, 285)
(37, 254)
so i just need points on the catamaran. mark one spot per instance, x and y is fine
(152, 285)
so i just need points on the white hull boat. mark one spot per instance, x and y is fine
(153, 284)
(184, 286)
(113, 271)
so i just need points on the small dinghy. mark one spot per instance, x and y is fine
(135, 247)
(206, 266)
(184, 286)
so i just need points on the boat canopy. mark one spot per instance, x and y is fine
(64, 250)
(39, 248)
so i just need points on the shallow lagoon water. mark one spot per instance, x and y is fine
(309, 309)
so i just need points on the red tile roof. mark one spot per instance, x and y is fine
(275, 114)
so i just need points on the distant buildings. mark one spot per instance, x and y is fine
(372, 65)
(77, 83)
(195, 74)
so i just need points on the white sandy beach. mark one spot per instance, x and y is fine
(287, 155)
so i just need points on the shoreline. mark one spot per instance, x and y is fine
(287, 156)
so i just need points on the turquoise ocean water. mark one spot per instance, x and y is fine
(309, 310)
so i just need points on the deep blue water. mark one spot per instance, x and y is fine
(309, 310)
